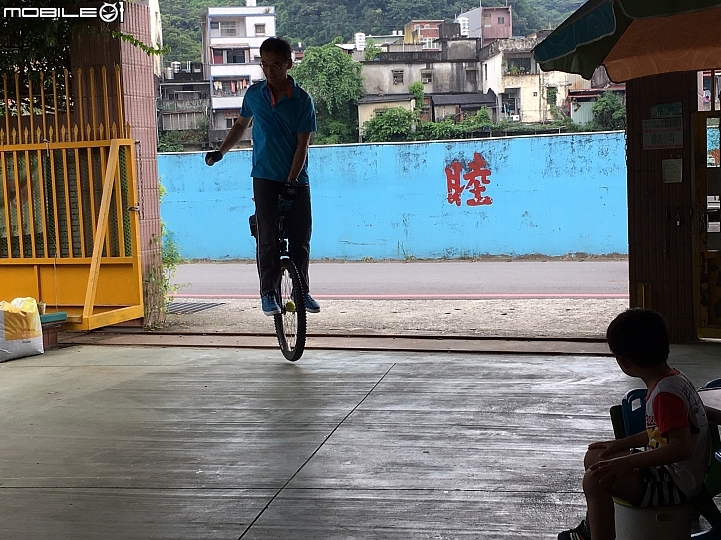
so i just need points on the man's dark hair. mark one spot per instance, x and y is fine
(279, 46)
(640, 336)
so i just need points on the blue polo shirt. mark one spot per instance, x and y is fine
(275, 128)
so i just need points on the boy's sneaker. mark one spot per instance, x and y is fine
(579, 533)
(270, 305)
(311, 306)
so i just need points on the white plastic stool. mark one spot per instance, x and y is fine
(662, 523)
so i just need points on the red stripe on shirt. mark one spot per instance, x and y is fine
(670, 412)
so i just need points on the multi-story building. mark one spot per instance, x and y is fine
(184, 101)
(487, 23)
(463, 76)
(231, 59)
(525, 92)
(360, 40)
(425, 32)
(450, 78)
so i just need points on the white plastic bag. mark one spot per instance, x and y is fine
(21, 333)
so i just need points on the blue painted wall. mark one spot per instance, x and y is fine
(550, 195)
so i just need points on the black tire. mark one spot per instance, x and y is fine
(290, 324)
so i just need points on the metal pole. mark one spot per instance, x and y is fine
(480, 20)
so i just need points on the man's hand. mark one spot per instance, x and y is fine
(213, 157)
(290, 190)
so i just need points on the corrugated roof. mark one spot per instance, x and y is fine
(464, 99)
(384, 98)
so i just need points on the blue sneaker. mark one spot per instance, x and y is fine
(270, 305)
(311, 306)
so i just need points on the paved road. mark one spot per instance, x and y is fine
(603, 279)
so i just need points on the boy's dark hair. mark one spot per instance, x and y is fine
(279, 46)
(640, 336)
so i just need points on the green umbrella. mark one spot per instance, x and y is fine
(635, 38)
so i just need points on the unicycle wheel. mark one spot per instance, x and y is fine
(290, 325)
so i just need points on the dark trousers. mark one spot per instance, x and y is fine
(297, 225)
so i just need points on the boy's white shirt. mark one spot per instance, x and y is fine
(688, 475)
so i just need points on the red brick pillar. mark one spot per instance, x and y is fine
(98, 49)
(140, 111)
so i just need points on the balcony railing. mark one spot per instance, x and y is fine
(518, 71)
(188, 105)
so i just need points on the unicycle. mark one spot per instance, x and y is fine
(290, 325)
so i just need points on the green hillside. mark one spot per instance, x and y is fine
(315, 22)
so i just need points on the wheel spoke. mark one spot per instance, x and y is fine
(290, 324)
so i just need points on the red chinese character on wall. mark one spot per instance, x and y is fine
(477, 178)
(453, 179)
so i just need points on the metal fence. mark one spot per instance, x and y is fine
(69, 232)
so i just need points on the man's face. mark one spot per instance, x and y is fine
(275, 67)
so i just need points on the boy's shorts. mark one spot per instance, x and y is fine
(658, 488)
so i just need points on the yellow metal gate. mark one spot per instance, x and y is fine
(69, 227)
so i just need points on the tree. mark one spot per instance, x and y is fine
(314, 23)
(372, 50)
(334, 81)
(608, 112)
(30, 46)
(416, 89)
(394, 124)
(42, 43)
(525, 17)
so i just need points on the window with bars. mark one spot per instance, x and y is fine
(260, 29)
(236, 56)
(398, 76)
(519, 66)
(551, 95)
(471, 76)
(228, 29)
(427, 76)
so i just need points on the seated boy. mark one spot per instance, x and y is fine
(672, 468)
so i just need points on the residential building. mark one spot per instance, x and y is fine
(525, 92)
(580, 102)
(357, 49)
(453, 70)
(371, 105)
(497, 23)
(460, 106)
(464, 75)
(184, 98)
(156, 35)
(423, 31)
(231, 59)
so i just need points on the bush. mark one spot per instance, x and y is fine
(608, 112)
(394, 124)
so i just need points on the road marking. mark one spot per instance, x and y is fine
(449, 296)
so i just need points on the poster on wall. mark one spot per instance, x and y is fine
(660, 133)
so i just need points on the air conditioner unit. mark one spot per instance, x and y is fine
(516, 117)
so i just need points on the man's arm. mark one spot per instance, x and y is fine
(234, 135)
(301, 153)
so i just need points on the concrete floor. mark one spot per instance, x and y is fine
(175, 443)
